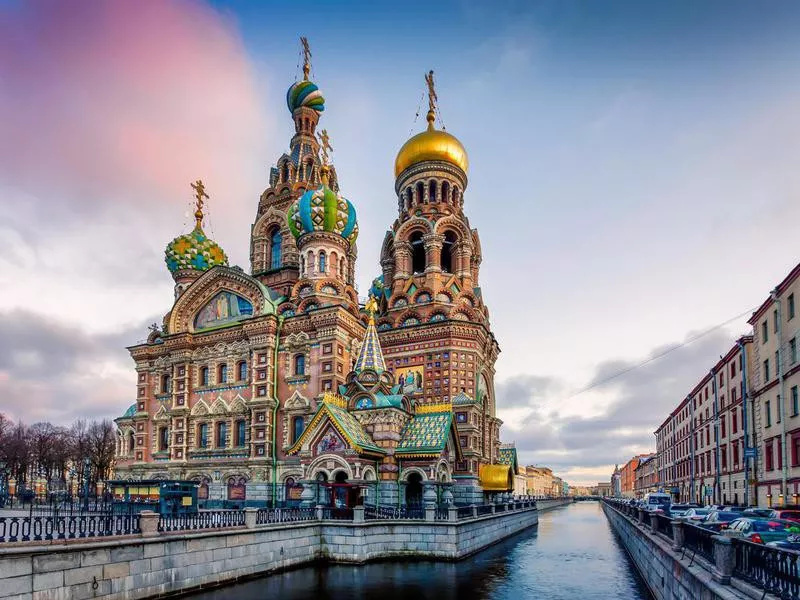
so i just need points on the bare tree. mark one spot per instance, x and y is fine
(102, 446)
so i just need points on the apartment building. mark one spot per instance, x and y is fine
(646, 476)
(775, 384)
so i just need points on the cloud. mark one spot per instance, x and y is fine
(641, 399)
(53, 372)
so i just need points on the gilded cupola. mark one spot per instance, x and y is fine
(432, 144)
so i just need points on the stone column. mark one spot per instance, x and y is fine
(433, 252)
(429, 499)
(402, 255)
(641, 515)
(320, 513)
(677, 533)
(724, 559)
(250, 515)
(358, 514)
(148, 523)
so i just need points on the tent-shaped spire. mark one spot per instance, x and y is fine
(371, 356)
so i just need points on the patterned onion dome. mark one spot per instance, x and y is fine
(305, 93)
(323, 209)
(194, 251)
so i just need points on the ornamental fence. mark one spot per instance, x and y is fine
(772, 570)
(67, 527)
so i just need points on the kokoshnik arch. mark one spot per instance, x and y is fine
(260, 386)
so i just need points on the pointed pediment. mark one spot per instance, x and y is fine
(200, 409)
(219, 407)
(296, 401)
(161, 414)
(339, 421)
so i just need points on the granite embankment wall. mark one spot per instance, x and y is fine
(172, 563)
(671, 574)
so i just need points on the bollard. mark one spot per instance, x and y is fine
(250, 515)
(148, 523)
(678, 533)
(724, 559)
(358, 514)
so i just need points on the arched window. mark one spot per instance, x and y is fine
(447, 252)
(409, 198)
(163, 439)
(297, 428)
(417, 253)
(241, 428)
(322, 265)
(222, 373)
(302, 266)
(445, 192)
(130, 442)
(204, 376)
(242, 371)
(309, 170)
(165, 379)
(300, 364)
(276, 241)
(420, 192)
(285, 172)
(222, 434)
(202, 435)
(432, 191)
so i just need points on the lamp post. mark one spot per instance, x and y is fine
(86, 484)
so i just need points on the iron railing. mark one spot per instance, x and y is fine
(210, 519)
(337, 514)
(770, 569)
(465, 512)
(38, 528)
(663, 525)
(285, 515)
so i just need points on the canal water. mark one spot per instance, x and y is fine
(574, 555)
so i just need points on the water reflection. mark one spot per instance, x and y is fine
(573, 555)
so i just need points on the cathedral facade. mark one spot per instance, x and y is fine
(278, 386)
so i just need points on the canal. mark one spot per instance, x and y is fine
(573, 555)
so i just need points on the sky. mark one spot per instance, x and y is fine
(632, 175)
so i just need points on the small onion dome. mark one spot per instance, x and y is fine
(194, 252)
(431, 144)
(323, 209)
(305, 93)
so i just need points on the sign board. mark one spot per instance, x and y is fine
(750, 453)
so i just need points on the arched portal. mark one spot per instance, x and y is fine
(414, 490)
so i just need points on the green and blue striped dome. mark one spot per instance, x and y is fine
(323, 209)
(305, 93)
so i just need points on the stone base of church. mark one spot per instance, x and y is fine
(467, 490)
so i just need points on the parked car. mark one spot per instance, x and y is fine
(718, 520)
(696, 515)
(757, 513)
(792, 542)
(678, 510)
(761, 531)
(655, 500)
(789, 515)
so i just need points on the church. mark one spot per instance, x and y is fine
(279, 387)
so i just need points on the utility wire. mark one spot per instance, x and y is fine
(661, 354)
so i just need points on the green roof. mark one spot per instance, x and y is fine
(508, 456)
(345, 423)
(426, 434)
(464, 398)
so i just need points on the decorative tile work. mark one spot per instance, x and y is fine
(426, 433)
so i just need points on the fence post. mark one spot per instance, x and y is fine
(653, 522)
(677, 533)
(320, 513)
(358, 514)
(250, 515)
(430, 512)
(452, 513)
(148, 523)
(641, 515)
(474, 510)
(724, 559)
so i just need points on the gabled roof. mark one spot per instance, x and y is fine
(508, 456)
(345, 423)
(464, 398)
(426, 433)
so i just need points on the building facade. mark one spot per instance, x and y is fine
(645, 476)
(775, 384)
(700, 447)
(627, 476)
(277, 385)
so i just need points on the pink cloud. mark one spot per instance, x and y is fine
(125, 100)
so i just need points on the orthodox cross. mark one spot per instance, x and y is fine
(325, 145)
(306, 57)
(371, 307)
(431, 92)
(200, 195)
(153, 327)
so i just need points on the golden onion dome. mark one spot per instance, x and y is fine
(431, 144)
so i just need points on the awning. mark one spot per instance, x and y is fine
(496, 478)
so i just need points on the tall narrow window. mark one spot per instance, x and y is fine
(767, 413)
(448, 245)
(793, 350)
(202, 435)
(766, 370)
(418, 262)
(276, 242)
(775, 320)
(300, 364)
(432, 191)
(222, 373)
(795, 401)
(222, 435)
(764, 332)
(242, 371)
(240, 432)
(322, 262)
(790, 302)
(297, 428)
(163, 439)
(165, 381)
(204, 376)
